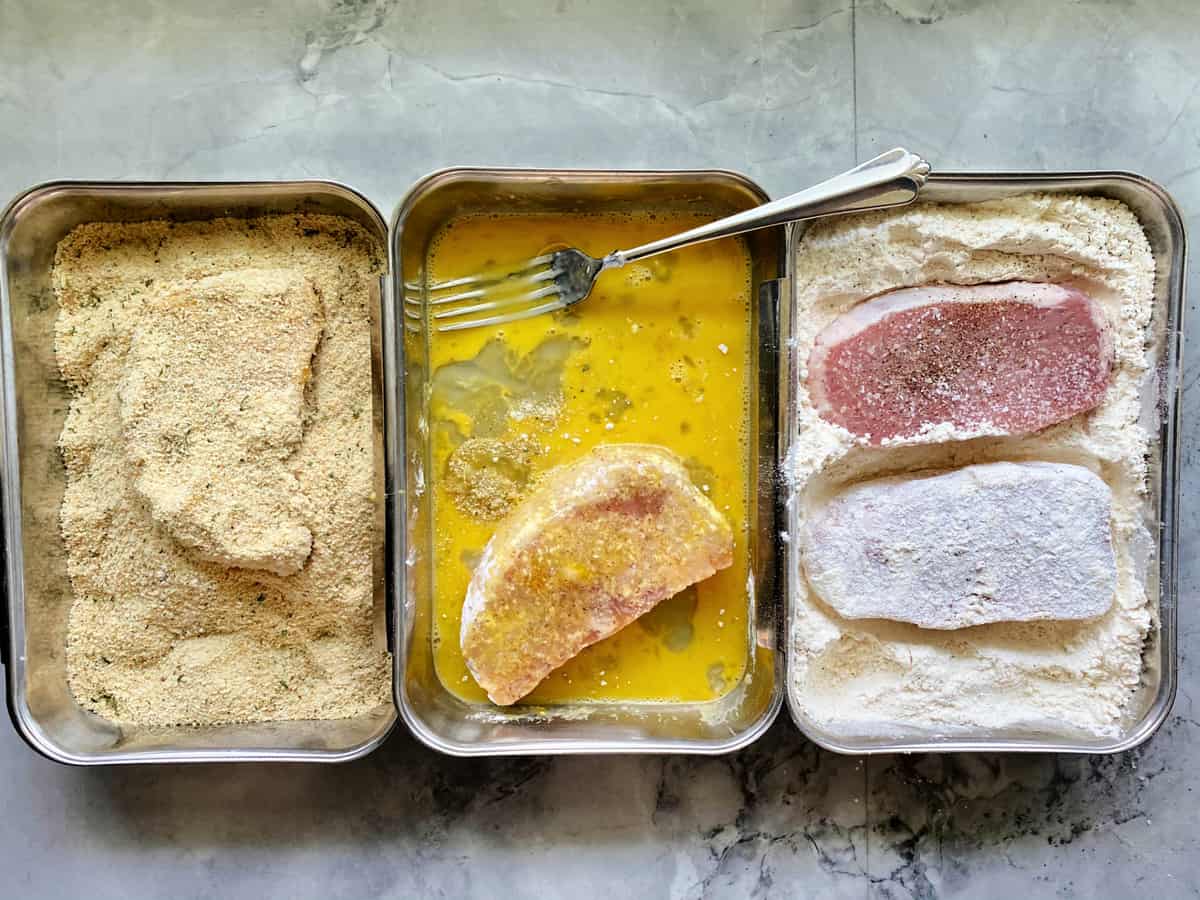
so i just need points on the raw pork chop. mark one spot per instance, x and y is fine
(998, 542)
(1014, 357)
(598, 543)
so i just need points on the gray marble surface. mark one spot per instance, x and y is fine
(375, 93)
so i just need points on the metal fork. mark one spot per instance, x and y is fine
(561, 279)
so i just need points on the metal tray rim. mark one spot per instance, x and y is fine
(13, 571)
(571, 747)
(431, 179)
(1164, 698)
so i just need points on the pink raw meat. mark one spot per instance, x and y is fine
(1014, 357)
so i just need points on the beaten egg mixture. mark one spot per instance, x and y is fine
(659, 354)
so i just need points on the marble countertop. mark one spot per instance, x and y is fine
(376, 93)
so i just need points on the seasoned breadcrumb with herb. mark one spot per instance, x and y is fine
(172, 623)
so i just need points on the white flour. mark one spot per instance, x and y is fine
(1071, 679)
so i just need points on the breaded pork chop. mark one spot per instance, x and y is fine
(598, 543)
(212, 404)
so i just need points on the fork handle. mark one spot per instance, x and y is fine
(890, 179)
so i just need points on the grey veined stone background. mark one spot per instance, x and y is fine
(376, 93)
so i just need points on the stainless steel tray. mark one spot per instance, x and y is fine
(436, 715)
(31, 418)
(1163, 223)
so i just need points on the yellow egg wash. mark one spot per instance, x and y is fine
(658, 354)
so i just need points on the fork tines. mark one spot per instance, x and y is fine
(509, 296)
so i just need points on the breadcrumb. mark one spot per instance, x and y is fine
(158, 634)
